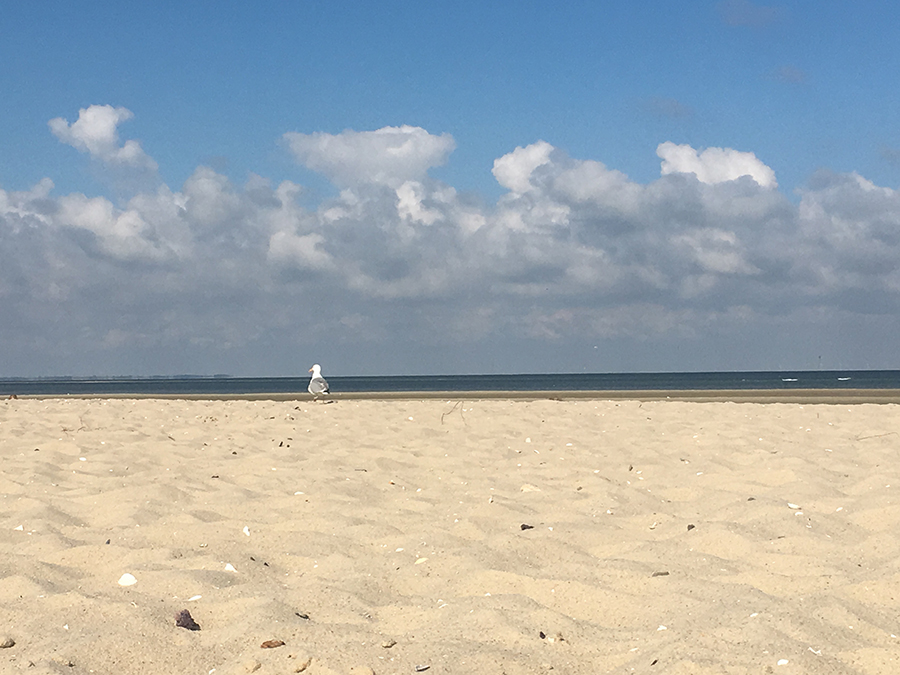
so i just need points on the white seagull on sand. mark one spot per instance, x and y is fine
(317, 383)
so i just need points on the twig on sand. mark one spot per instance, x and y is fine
(455, 406)
(865, 438)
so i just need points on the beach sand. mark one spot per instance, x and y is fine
(477, 536)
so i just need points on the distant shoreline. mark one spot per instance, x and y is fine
(805, 396)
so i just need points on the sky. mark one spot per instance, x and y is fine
(439, 188)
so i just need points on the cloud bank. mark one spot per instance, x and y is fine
(402, 273)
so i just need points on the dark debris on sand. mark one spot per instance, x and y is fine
(183, 619)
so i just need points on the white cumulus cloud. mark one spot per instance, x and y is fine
(96, 132)
(514, 170)
(714, 165)
(388, 156)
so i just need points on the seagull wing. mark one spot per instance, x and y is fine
(318, 385)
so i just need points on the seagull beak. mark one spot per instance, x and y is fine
(309, 371)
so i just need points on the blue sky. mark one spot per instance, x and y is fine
(241, 239)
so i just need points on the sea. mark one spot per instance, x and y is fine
(224, 385)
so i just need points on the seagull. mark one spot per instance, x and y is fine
(317, 383)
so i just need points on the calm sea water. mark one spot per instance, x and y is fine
(857, 379)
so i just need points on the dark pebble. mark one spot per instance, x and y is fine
(691, 527)
(183, 619)
(527, 527)
(271, 644)
(660, 574)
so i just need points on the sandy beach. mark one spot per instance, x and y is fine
(449, 536)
